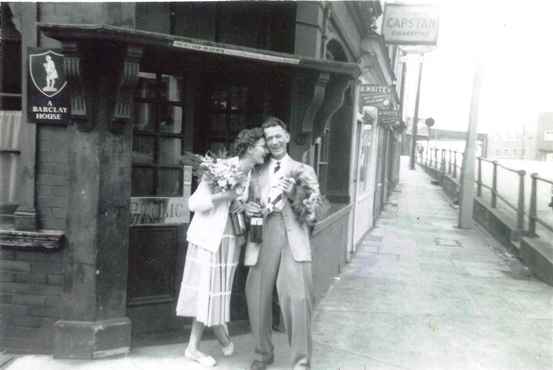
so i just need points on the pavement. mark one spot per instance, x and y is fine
(419, 294)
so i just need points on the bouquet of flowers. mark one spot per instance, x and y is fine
(220, 173)
(306, 200)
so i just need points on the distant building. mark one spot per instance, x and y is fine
(544, 137)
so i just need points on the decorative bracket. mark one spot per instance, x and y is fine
(72, 69)
(127, 84)
(311, 92)
(334, 99)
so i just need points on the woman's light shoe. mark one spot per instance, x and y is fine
(228, 350)
(200, 358)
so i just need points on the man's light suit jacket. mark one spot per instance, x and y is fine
(298, 233)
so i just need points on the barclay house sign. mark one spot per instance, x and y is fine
(47, 87)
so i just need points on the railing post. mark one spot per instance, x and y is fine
(449, 162)
(479, 178)
(494, 185)
(454, 164)
(533, 213)
(436, 158)
(442, 162)
(520, 208)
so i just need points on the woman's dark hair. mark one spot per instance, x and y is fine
(246, 139)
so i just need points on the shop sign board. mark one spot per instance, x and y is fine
(388, 117)
(47, 87)
(548, 135)
(410, 24)
(163, 210)
(234, 52)
(159, 210)
(374, 95)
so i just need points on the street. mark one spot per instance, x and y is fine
(419, 294)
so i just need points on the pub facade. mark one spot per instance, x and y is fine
(94, 218)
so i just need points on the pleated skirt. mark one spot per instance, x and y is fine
(207, 280)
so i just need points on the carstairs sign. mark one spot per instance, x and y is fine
(410, 24)
(374, 95)
(47, 87)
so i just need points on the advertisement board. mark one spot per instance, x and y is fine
(411, 24)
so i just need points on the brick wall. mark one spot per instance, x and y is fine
(30, 300)
(31, 282)
(52, 177)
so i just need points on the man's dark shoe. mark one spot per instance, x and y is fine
(262, 364)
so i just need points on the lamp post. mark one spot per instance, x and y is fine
(416, 116)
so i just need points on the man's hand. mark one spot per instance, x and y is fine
(286, 184)
(253, 209)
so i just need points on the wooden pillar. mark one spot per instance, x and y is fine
(102, 79)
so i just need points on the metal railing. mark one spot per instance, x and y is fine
(449, 162)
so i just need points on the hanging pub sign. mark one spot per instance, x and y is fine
(47, 87)
(410, 24)
(388, 117)
(374, 95)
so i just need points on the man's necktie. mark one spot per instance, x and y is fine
(276, 197)
(277, 167)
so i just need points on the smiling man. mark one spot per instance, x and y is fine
(284, 255)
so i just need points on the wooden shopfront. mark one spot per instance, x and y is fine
(152, 98)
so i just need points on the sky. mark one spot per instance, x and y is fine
(513, 42)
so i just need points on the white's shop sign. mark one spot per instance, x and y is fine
(47, 101)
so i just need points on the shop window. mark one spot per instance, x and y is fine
(158, 136)
(10, 61)
(10, 112)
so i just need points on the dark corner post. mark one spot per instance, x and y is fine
(494, 185)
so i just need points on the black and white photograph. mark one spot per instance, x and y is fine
(275, 185)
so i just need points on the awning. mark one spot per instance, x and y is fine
(72, 32)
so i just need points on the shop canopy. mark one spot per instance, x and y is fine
(145, 39)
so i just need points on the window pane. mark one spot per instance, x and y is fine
(142, 181)
(171, 119)
(238, 98)
(171, 88)
(217, 125)
(169, 151)
(218, 100)
(143, 149)
(144, 116)
(170, 182)
(237, 123)
(146, 88)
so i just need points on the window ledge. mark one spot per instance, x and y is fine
(31, 240)
(338, 211)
